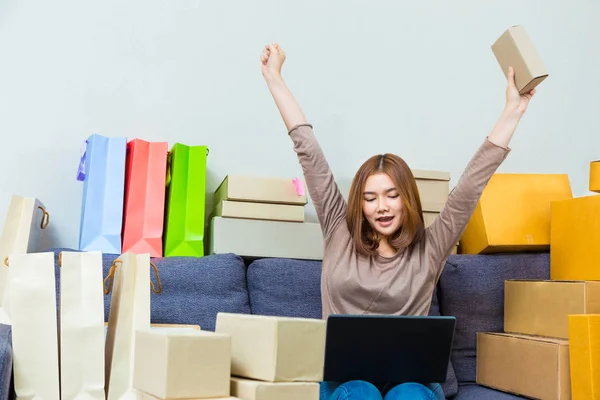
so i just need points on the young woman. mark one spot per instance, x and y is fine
(379, 258)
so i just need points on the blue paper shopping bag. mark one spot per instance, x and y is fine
(102, 171)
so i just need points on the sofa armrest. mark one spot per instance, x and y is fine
(6, 362)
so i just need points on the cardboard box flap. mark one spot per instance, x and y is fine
(546, 280)
(533, 338)
(261, 189)
(431, 175)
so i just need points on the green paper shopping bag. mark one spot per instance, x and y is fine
(185, 200)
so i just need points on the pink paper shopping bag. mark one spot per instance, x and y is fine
(145, 176)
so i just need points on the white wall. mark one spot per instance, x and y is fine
(416, 78)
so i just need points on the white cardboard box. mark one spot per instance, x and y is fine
(255, 238)
(247, 389)
(275, 349)
(182, 365)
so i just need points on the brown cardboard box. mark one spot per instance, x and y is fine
(256, 390)
(182, 365)
(584, 350)
(514, 48)
(594, 184)
(542, 307)
(524, 365)
(575, 234)
(259, 189)
(513, 213)
(262, 211)
(434, 188)
(275, 349)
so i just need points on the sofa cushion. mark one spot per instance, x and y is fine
(285, 287)
(292, 288)
(476, 392)
(450, 387)
(471, 288)
(194, 289)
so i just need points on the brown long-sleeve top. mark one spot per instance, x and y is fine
(403, 284)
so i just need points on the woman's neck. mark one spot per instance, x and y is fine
(385, 249)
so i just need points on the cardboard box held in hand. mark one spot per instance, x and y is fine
(514, 48)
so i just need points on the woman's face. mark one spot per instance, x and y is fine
(382, 206)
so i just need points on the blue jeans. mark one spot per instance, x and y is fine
(362, 390)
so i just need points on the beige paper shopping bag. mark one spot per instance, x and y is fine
(81, 326)
(129, 279)
(23, 232)
(34, 326)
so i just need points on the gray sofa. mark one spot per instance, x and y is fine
(471, 288)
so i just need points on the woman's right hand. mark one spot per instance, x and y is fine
(272, 59)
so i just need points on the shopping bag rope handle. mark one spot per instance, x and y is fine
(45, 218)
(110, 277)
(157, 280)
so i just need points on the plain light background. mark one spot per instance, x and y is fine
(416, 78)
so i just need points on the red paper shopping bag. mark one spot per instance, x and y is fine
(145, 175)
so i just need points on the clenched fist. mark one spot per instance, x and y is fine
(272, 59)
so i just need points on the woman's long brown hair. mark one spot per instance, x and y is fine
(411, 230)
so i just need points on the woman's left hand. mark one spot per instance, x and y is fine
(515, 101)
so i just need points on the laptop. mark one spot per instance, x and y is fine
(388, 348)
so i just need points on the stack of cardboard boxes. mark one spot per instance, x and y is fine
(274, 358)
(434, 189)
(248, 357)
(263, 217)
(257, 216)
(513, 215)
(550, 345)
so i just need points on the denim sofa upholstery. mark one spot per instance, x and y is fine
(471, 288)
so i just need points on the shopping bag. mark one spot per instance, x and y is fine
(102, 170)
(34, 326)
(129, 281)
(186, 194)
(144, 197)
(81, 326)
(24, 232)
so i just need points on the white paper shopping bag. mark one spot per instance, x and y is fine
(129, 280)
(23, 232)
(34, 326)
(81, 326)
